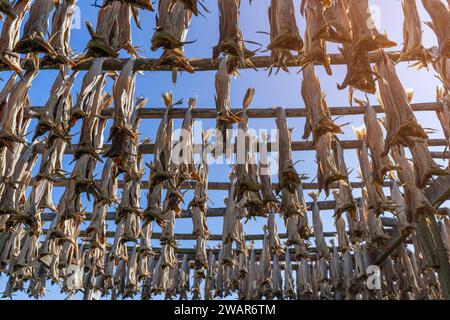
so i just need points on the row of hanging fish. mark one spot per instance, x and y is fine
(345, 22)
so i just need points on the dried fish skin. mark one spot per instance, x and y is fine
(36, 28)
(413, 48)
(7, 9)
(318, 116)
(10, 34)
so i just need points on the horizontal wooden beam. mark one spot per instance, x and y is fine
(296, 146)
(217, 185)
(254, 112)
(199, 64)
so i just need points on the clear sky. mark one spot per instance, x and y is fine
(281, 90)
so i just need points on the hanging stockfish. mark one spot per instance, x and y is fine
(36, 30)
(10, 33)
(344, 196)
(440, 19)
(246, 192)
(13, 110)
(73, 278)
(289, 289)
(159, 168)
(303, 280)
(341, 234)
(323, 280)
(381, 163)
(366, 38)
(86, 95)
(284, 34)
(231, 41)
(91, 141)
(148, 279)
(348, 274)
(411, 285)
(265, 280)
(172, 26)
(327, 170)
(113, 31)
(377, 200)
(172, 281)
(107, 195)
(186, 165)
(277, 280)
(398, 200)
(16, 182)
(287, 175)
(231, 221)
(122, 135)
(225, 118)
(319, 120)
(209, 281)
(360, 272)
(183, 282)
(336, 276)
(304, 229)
(252, 278)
(129, 209)
(61, 28)
(416, 201)
(402, 125)
(376, 234)
(198, 208)
(319, 237)
(338, 27)
(315, 35)
(413, 48)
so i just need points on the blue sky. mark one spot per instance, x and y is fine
(281, 90)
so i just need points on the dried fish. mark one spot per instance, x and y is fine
(327, 170)
(318, 116)
(284, 34)
(440, 18)
(401, 124)
(231, 41)
(381, 164)
(412, 36)
(319, 237)
(10, 33)
(61, 28)
(172, 26)
(366, 38)
(376, 197)
(344, 197)
(36, 28)
(315, 35)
